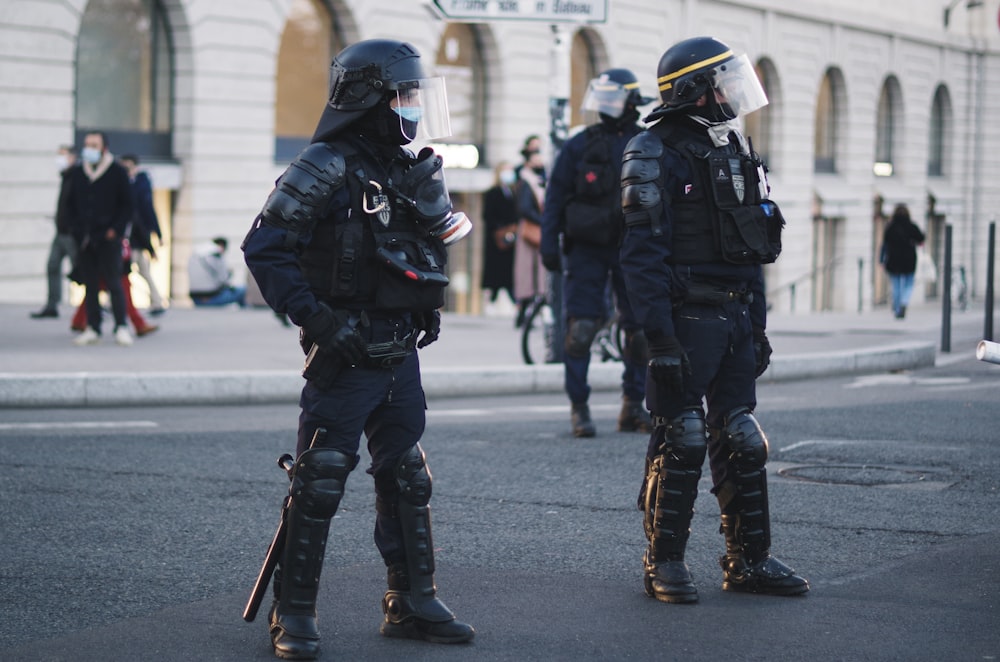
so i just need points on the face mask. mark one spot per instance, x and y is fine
(508, 177)
(410, 113)
(91, 155)
(62, 162)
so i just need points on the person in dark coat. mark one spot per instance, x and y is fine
(63, 245)
(98, 210)
(500, 216)
(145, 226)
(899, 256)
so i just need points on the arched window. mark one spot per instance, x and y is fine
(887, 128)
(460, 62)
(828, 122)
(124, 76)
(940, 130)
(759, 125)
(308, 43)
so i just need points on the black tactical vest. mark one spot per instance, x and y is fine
(724, 217)
(342, 262)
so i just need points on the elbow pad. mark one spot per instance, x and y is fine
(642, 188)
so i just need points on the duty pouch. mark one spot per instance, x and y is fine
(592, 224)
(400, 288)
(751, 234)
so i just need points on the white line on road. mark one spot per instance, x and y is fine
(85, 425)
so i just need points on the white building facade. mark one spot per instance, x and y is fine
(872, 104)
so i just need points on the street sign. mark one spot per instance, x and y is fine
(549, 11)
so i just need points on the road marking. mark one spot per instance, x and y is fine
(898, 379)
(75, 425)
(516, 411)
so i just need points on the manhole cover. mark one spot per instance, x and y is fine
(862, 474)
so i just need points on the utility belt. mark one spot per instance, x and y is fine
(713, 294)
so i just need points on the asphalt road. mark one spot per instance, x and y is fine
(136, 533)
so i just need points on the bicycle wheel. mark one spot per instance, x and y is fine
(536, 335)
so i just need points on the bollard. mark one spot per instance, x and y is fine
(988, 351)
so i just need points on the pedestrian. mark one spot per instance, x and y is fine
(580, 233)
(63, 245)
(209, 277)
(899, 256)
(529, 273)
(141, 325)
(351, 245)
(98, 210)
(699, 223)
(500, 218)
(145, 226)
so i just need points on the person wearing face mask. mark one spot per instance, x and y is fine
(580, 230)
(500, 218)
(699, 225)
(351, 246)
(529, 198)
(98, 210)
(63, 245)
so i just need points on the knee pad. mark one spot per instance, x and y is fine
(636, 349)
(413, 478)
(685, 443)
(318, 481)
(745, 440)
(579, 336)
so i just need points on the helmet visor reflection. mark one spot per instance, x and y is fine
(736, 81)
(422, 106)
(607, 98)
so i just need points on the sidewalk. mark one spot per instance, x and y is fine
(233, 356)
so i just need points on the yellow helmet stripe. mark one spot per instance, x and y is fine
(665, 83)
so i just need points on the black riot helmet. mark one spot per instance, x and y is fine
(383, 81)
(694, 67)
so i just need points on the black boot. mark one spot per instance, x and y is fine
(293, 636)
(749, 570)
(667, 504)
(414, 611)
(634, 417)
(47, 311)
(583, 426)
(669, 580)
(411, 606)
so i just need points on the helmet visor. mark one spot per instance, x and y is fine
(736, 82)
(422, 106)
(606, 97)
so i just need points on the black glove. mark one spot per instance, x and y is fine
(430, 323)
(552, 262)
(334, 335)
(668, 364)
(761, 350)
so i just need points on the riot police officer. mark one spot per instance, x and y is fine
(582, 219)
(699, 225)
(351, 246)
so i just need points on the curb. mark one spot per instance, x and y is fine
(108, 389)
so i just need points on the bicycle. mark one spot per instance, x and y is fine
(539, 328)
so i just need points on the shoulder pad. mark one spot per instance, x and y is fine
(305, 187)
(646, 145)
